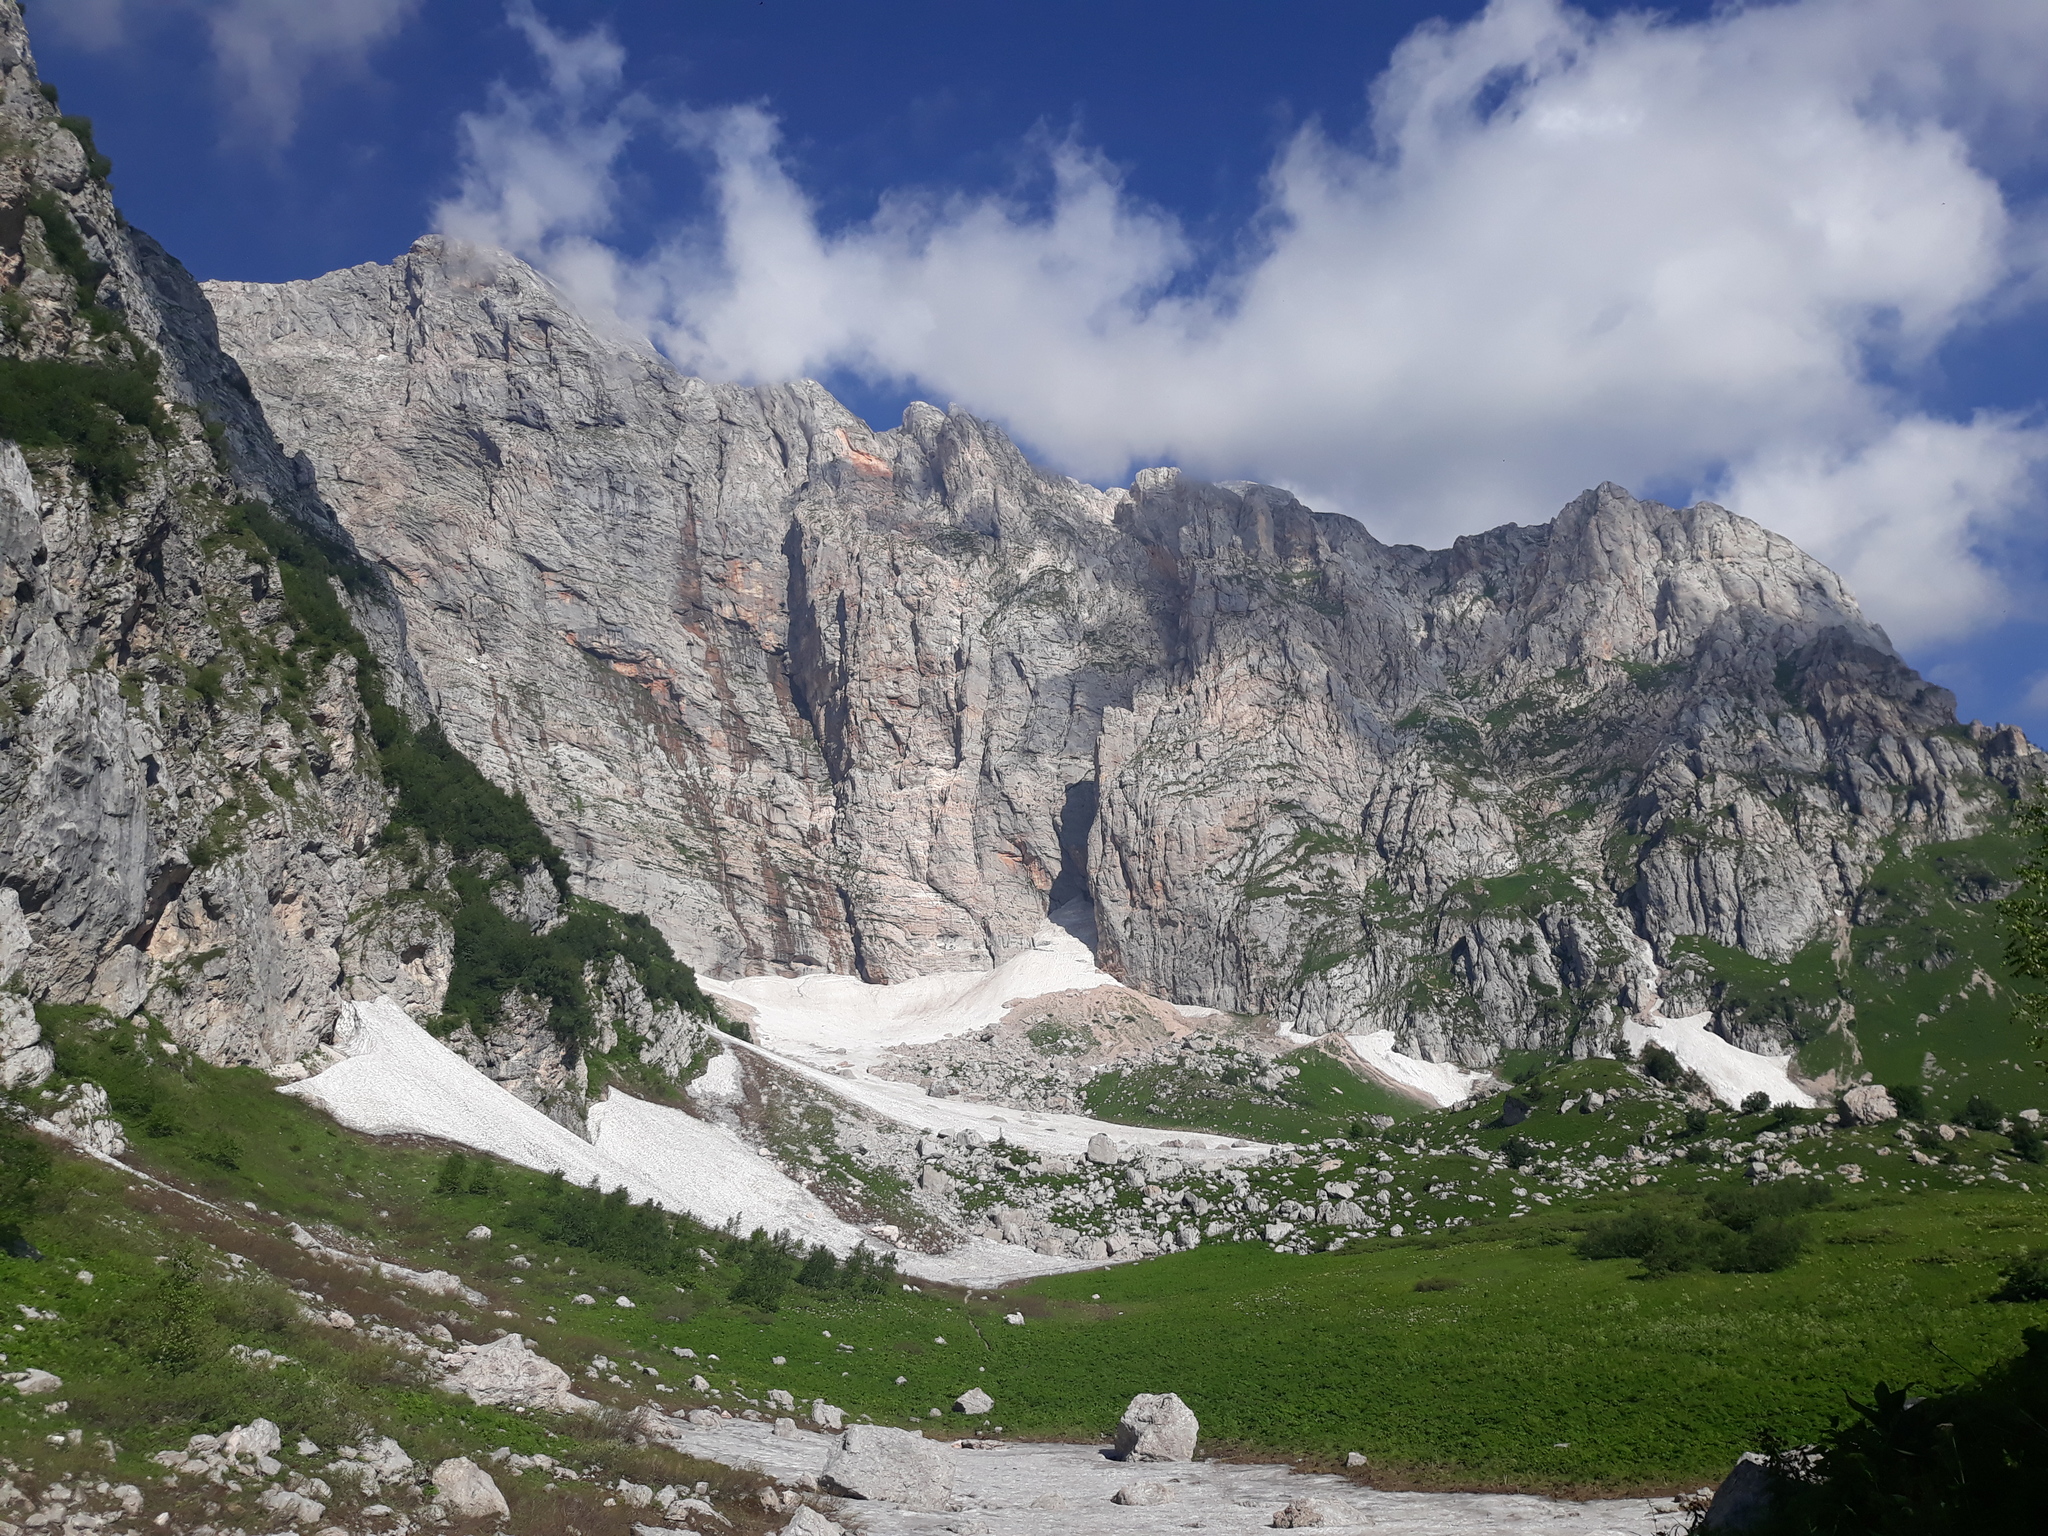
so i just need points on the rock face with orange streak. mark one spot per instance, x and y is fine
(814, 696)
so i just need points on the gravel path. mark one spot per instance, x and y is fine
(1064, 1490)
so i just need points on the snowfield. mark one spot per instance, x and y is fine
(1443, 1083)
(389, 1077)
(828, 1019)
(1730, 1073)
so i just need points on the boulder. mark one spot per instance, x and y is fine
(1355, 1459)
(467, 1492)
(1747, 1497)
(1299, 1514)
(973, 1400)
(507, 1373)
(33, 1383)
(252, 1441)
(1147, 1493)
(1102, 1148)
(1868, 1105)
(1157, 1426)
(872, 1461)
(296, 1507)
(808, 1522)
(825, 1416)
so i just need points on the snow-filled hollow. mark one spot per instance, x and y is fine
(1730, 1073)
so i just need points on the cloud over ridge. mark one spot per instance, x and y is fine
(1567, 250)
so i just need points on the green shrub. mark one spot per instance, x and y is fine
(24, 1174)
(86, 408)
(2024, 1278)
(1910, 1099)
(1697, 1122)
(1518, 1152)
(1438, 1283)
(98, 166)
(764, 1279)
(1660, 1064)
(1743, 1231)
(1758, 1103)
(644, 1236)
(1980, 1114)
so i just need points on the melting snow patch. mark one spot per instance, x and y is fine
(1445, 1082)
(395, 1079)
(838, 1018)
(1730, 1073)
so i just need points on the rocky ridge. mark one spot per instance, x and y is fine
(818, 697)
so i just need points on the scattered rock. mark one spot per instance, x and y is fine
(34, 1383)
(786, 1428)
(252, 1441)
(467, 1491)
(872, 1461)
(1145, 1493)
(808, 1522)
(1157, 1426)
(1014, 1319)
(296, 1507)
(1356, 1459)
(1102, 1149)
(479, 1234)
(1299, 1514)
(973, 1400)
(825, 1416)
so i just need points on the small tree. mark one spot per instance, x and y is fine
(1758, 1103)
(765, 1280)
(453, 1174)
(820, 1271)
(1910, 1099)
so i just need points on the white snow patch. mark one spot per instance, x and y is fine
(1730, 1073)
(1445, 1082)
(830, 1019)
(719, 1082)
(395, 1079)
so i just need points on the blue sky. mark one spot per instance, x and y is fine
(1437, 266)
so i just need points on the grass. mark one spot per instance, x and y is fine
(1325, 1099)
(1489, 1355)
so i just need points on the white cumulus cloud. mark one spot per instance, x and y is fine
(1564, 250)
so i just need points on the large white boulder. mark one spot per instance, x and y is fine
(1868, 1105)
(508, 1373)
(873, 1461)
(1157, 1426)
(973, 1400)
(467, 1492)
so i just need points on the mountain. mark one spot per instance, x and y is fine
(815, 697)
(224, 801)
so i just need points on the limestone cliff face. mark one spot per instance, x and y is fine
(193, 802)
(813, 696)
(179, 828)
